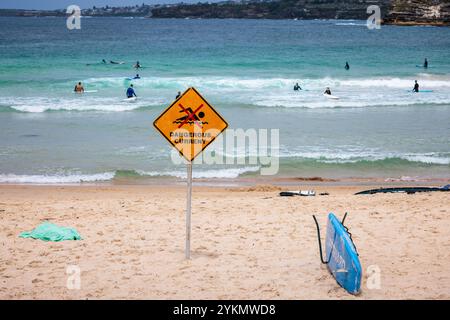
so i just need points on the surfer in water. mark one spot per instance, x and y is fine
(130, 92)
(104, 61)
(137, 65)
(416, 87)
(79, 88)
(178, 95)
(425, 63)
(297, 87)
(347, 66)
(327, 91)
(137, 76)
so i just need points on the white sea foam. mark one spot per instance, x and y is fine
(229, 173)
(39, 104)
(56, 179)
(350, 24)
(356, 155)
(215, 82)
(260, 92)
(349, 156)
(425, 158)
(394, 83)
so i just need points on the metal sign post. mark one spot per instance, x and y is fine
(188, 210)
(190, 124)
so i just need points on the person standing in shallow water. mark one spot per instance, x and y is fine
(79, 88)
(130, 92)
(347, 66)
(416, 87)
(425, 63)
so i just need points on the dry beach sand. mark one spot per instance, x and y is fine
(247, 243)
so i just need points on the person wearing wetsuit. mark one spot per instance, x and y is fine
(416, 87)
(425, 63)
(104, 61)
(178, 95)
(297, 87)
(137, 65)
(347, 66)
(137, 76)
(327, 91)
(130, 92)
(79, 88)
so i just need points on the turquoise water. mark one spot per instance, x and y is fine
(246, 69)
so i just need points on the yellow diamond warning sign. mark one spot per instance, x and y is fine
(190, 124)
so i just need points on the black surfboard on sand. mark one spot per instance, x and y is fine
(408, 190)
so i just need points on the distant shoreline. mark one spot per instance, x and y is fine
(391, 11)
(389, 23)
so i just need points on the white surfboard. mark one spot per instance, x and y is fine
(86, 91)
(330, 96)
(133, 99)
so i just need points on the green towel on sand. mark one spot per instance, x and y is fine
(51, 232)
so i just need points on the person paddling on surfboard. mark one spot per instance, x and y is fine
(347, 66)
(137, 76)
(130, 92)
(297, 87)
(416, 87)
(327, 91)
(79, 88)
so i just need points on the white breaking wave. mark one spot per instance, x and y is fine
(349, 156)
(56, 179)
(212, 82)
(351, 24)
(215, 82)
(395, 83)
(230, 173)
(346, 102)
(367, 156)
(427, 159)
(264, 92)
(39, 104)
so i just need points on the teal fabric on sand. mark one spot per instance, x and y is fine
(51, 232)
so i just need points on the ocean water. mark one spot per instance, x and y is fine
(246, 69)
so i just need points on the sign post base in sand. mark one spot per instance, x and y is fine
(188, 210)
(190, 124)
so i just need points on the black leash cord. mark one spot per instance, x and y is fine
(320, 241)
(349, 233)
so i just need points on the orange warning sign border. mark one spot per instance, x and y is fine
(174, 103)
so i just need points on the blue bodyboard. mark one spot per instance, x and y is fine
(343, 259)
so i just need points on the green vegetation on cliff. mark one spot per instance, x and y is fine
(402, 12)
(282, 9)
